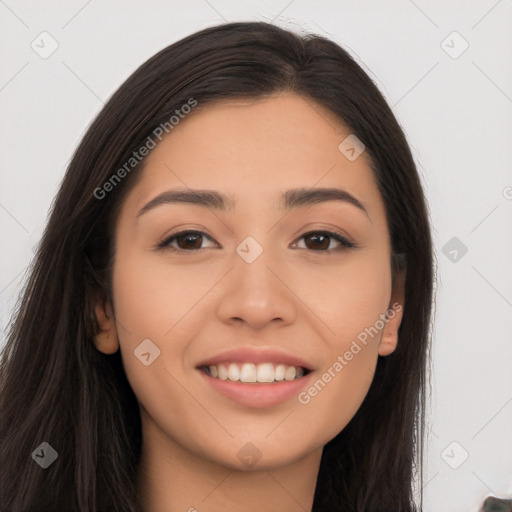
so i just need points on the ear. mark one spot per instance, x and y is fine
(389, 339)
(106, 340)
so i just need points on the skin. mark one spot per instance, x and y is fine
(306, 301)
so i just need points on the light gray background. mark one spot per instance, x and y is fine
(456, 111)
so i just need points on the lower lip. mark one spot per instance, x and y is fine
(258, 394)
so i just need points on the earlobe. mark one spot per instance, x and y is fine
(394, 314)
(106, 340)
(389, 339)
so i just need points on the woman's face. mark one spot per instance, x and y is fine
(250, 292)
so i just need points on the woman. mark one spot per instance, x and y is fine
(230, 305)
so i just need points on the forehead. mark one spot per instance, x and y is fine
(276, 131)
(257, 149)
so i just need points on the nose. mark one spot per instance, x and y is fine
(257, 293)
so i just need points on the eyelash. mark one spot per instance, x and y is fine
(346, 244)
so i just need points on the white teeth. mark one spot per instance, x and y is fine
(279, 372)
(265, 372)
(290, 372)
(233, 372)
(249, 372)
(223, 372)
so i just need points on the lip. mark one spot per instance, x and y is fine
(256, 394)
(255, 355)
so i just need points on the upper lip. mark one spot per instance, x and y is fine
(255, 355)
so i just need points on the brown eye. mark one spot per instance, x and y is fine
(189, 241)
(317, 241)
(185, 240)
(320, 241)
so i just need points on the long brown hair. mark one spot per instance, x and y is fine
(56, 387)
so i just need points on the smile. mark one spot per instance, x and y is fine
(250, 372)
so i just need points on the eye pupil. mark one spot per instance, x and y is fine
(190, 237)
(317, 237)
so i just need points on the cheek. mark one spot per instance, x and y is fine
(155, 302)
(150, 297)
(337, 393)
(146, 308)
(350, 300)
(348, 296)
(162, 302)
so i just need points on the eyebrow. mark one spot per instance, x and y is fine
(290, 199)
